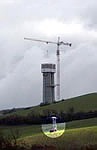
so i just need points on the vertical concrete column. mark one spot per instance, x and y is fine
(48, 71)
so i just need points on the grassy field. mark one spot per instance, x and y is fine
(75, 137)
(82, 103)
(70, 138)
(28, 130)
(77, 133)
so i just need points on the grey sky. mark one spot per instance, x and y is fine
(20, 76)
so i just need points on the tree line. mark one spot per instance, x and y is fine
(32, 118)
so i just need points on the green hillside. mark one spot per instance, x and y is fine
(72, 139)
(82, 103)
(76, 135)
(28, 130)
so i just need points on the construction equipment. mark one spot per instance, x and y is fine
(58, 43)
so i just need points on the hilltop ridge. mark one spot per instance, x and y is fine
(83, 103)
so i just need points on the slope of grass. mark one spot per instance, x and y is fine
(82, 123)
(77, 134)
(23, 130)
(29, 130)
(82, 103)
(72, 137)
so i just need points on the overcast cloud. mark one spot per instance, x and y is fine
(20, 73)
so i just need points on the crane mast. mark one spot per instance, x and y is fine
(58, 69)
(58, 43)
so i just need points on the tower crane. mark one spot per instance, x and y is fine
(58, 43)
